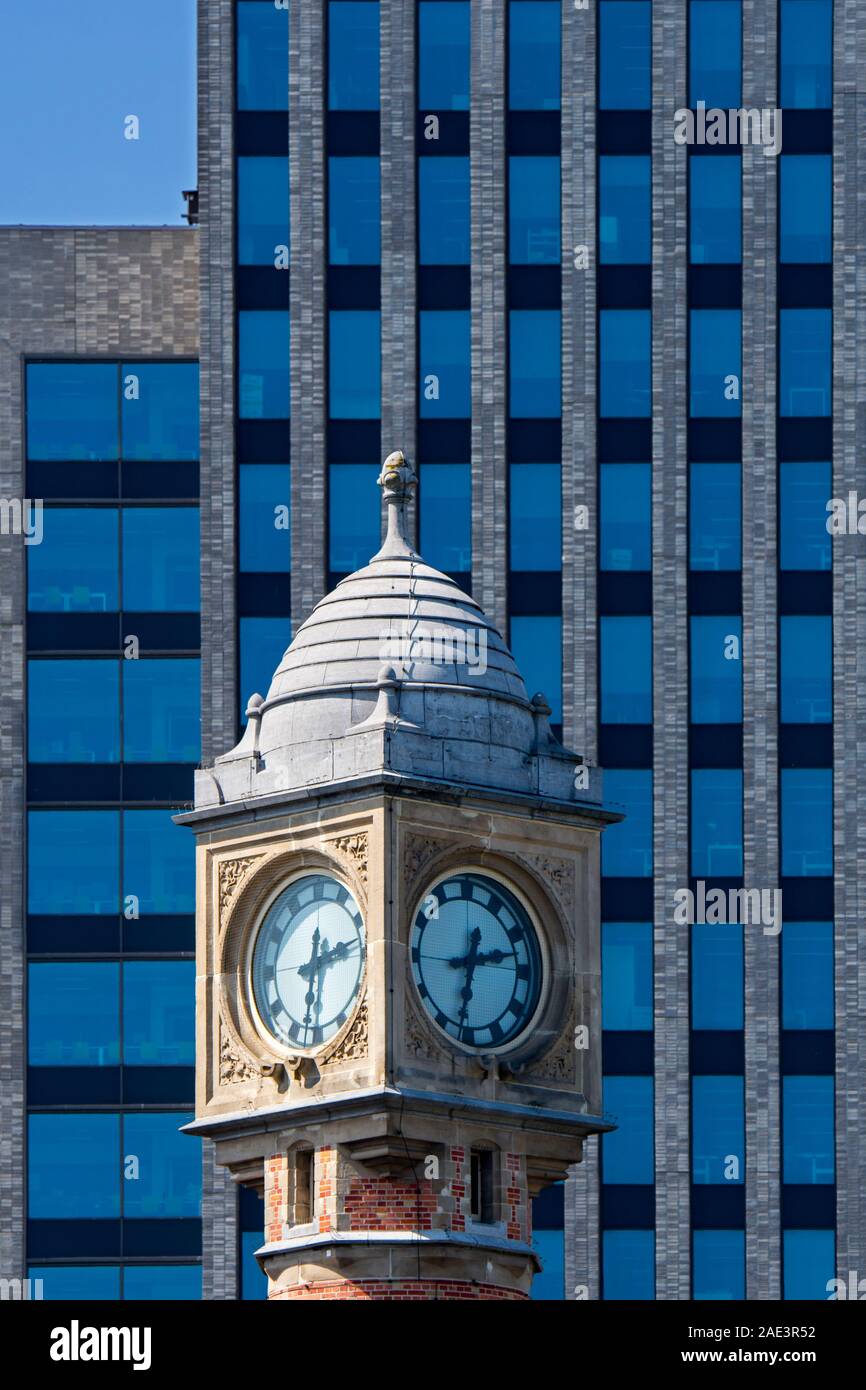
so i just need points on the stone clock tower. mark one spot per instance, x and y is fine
(398, 1027)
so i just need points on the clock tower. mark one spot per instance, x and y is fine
(398, 958)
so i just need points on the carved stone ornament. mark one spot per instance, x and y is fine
(353, 848)
(417, 1040)
(418, 850)
(231, 874)
(235, 1065)
(560, 1063)
(353, 1044)
(559, 873)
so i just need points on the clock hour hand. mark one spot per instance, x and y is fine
(469, 963)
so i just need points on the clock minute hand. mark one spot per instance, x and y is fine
(470, 962)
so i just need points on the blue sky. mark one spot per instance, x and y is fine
(71, 71)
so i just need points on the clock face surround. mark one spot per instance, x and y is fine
(476, 961)
(307, 961)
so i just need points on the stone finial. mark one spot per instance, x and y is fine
(397, 481)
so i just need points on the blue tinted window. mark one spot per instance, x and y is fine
(809, 1264)
(624, 211)
(71, 1283)
(174, 1282)
(717, 975)
(264, 523)
(161, 710)
(73, 1015)
(719, 1270)
(263, 364)
(714, 516)
(718, 1129)
(627, 846)
(353, 210)
(625, 501)
(72, 411)
(805, 356)
(627, 1152)
(804, 491)
(160, 559)
(263, 642)
(158, 863)
(717, 822)
(625, 361)
(715, 52)
(717, 683)
(716, 193)
(159, 412)
(536, 516)
(806, 46)
(87, 1182)
(73, 862)
(263, 209)
(73, 711)
(159, 1013)
(715, 361)
(533, 209)
(443, 210)
(254, 1284)
(626, 670)
(808, 1154)
(806, 669)
(536, 644)
(446, 516)
(74, 568)
(549, 1284)
(353, 56)
(262, 57)
(355, 529)
(628, 1264)
(807, 822)
(169, 1167)
(355, 382)
(807, 975)
(627, 975)
(443, 55)
(624, 55)
(806, 219)
(536, 363)
(445, 363)
(533, 53)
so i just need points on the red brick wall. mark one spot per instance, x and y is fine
(407, 1291)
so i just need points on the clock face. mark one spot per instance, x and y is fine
(476, 960)
(307, 961)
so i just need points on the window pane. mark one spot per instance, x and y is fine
(804, 491)
(628, 1265)
(807, 975)
(446, 516)
(536, 516)
(254, 1284)
(715, 186)
(265, 536)
(443, 209)
(806, 670)
(717, 823)
(174, 1282)
(536, 644)
(73, 1014)
(806, 42)
(533, 206)
(718, 1140)
(715, 361)
(263, 209)
(353, 210)
(627, 975)
(808, 1154)
(74, 569)
(355, 390)
(714, 516)
(445, 348)
(717, 683)
(158, 863)
(73, 862)
(443, 55)
(807, 822)
(627, 846)
(627, 1152)
(624, 55)
(549, 1284)
(159, 1013)
(807, 207)
(263, 364)
(715, 52)
(161, 559)
(536, 363)
(805, 354)
(809, 1264)
(625, 362)
(263, 643)
(626, 670)
(355, 529)
(624, 195)
(262, 57)
(717, 975)
(77, 1283)
(160, 410)
(73, 711)
(169, 1167)
(161, 710)
(533, 54)
(720, 1265)
(625, 542)
(87, 1182)
(72, 411)
(353, 56)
